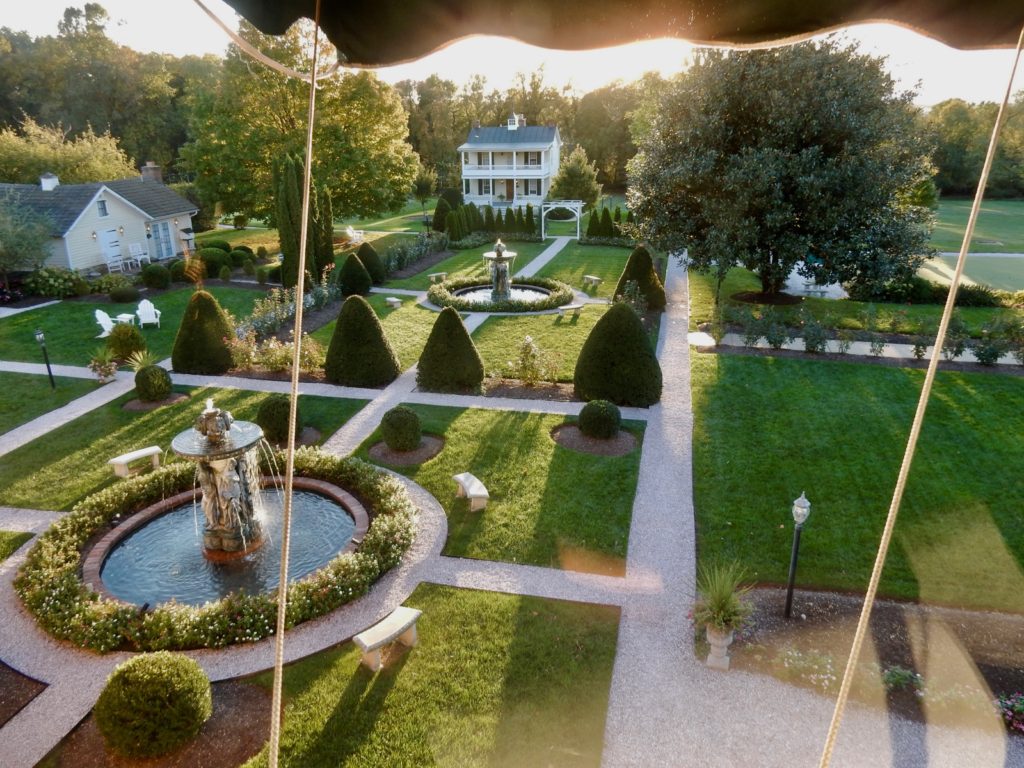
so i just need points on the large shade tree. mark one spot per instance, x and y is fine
(34, 149)
(576, 179)
(803, 156)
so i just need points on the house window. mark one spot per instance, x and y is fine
(483, 186)
(101, 207)
(465, 187)
(162, 245)
(483, 158)
(533, 158)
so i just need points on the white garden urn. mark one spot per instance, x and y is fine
(718, 657)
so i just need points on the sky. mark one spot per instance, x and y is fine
(180, 27)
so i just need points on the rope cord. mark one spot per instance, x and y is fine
(263, 58)
(915, 430)
(282, 588)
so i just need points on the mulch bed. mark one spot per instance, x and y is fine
(569, 436)
(545, 390)
(429, 447)
(16, 690)
(420, 266)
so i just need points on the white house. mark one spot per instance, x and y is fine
(510, 164)
(94, 223)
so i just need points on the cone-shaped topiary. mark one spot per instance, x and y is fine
(531, 224)
(489, 219)
(600, 419)
(353, 278)
(607, 228)
(201, 344)
(441, 211)
(368, 255)
(272, 416)
(400, 428)
(499, 222)
(152, 384)
(153, 703)
(617, 362)
(450, 361)
(594, 224)
(359, 354)
(640, 268)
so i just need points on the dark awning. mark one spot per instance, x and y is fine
(382, 32)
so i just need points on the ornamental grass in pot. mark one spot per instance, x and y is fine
(722, 607)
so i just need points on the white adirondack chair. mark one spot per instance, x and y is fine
(115, 264)
(139, 255)
(105, 323)
(147, 313)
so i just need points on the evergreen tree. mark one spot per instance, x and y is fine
(489, 223)
(353, 278)
(359, 354)
(201, 345)
(289, 211)
(520, 221)
(607, 228)
(499, 222)
(325, 232)
(618, 215)
(617, 362)
(593, 224)
(371, 260)
(441, 211)
(531, 223)
(640, 268)
(450, 361)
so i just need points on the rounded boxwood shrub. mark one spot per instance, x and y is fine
(82, 287)
(272, 416)
(225, 273)
(400, 428)
(450, 361)
(124, 294)
(270, 273)
(600, 419)
(201, 344)
(242, 247)
(359, 354)
(371, 260)
(153, 703)
(152, 384)
(248, 267)
(238, 257)
(156, 276)
(177, 270)
(617, 362)
(640, 268)
(353, 279)
(213, 259)
(222, 245)
(125, 340)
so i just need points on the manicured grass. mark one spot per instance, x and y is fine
(767, 429)
(549, 506)
(10, 541)
(556, 228)
(499, 338)
(58, 469)
(575, 261)
(496, 680)
(1006, 274)
(71, 328)
(408, 219)
(26, 396)
(407, 327)
(1000, 227)
(468, 263)
(254, 237)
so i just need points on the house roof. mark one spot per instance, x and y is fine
(64, 204)
(526, 136)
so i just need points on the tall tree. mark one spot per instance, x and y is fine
(576, 179)
(24, 237)
(423, 186)
(288, 200)
(766, 158)
(602, 128)
(37, 149)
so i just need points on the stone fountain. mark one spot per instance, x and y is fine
(228, 471)
(500, 262)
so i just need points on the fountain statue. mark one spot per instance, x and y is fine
(500, 262)
(228, 473)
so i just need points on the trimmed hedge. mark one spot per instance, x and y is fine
(443, 295)
(600, 419)
(152, 384)
(238, 256)
(156, 276)
(359, 354)
(125, 340)
(640, 267)
(401, 430)
(213, 259)
(124, 294)
(271, 273)
(50, 587)
(353, 279)
(154, 703)
(272, 416)
(222, 245)
(450, 361)
(617, 362)
(201, 345)
(371, 260)
(177, 270)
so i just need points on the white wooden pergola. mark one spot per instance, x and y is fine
(576, 206)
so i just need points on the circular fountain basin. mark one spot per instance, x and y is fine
(192, 444)
(163, 559)
(482, 294)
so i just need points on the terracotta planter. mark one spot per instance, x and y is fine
(718, 657)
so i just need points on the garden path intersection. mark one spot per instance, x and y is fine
(665, 707)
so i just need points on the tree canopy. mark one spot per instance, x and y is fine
(24, 237)
(27, 154)
(802, 155)
(576, 179)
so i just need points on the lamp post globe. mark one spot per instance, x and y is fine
(41, 340)
(801, 511)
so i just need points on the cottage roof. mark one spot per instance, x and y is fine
(523, 137)
(64, 204)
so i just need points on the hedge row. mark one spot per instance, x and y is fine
(443, 295)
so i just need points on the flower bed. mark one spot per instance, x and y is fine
(443, 295)
(50, 587)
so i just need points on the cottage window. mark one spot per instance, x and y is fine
(101, 207)
(533, 158)
(483, 186)
(465, 187)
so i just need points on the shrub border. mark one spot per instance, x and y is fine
(443, 295)
(50, 586)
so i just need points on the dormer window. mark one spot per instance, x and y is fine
(101, 208)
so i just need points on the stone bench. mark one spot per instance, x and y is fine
(471, 488)
(574, 308)
(398, 625)
(120, 463)
(593, 280)
(438, 277)
(393, 301)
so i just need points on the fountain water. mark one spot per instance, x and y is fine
(501, 289)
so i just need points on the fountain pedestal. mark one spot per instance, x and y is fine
(500, 262)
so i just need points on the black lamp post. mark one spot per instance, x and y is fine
(801, 509)
(41, 338)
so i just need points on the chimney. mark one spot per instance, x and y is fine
(476, 123)
(151, 172)
(522, 120)
(49, 182)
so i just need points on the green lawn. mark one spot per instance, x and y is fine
(1006, 274)
(408, 219)
(407, 327)
(1000, 226)
(71, 328)
(254, 237)
(27, 396)
(549, 506)
(575, 261)
(767, 429)
(499, 337)
(555, 228)
(496, 680)
(10, 541)
(468, 263)
(58, 469)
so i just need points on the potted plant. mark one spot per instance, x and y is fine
(103, 364)
(722, 607)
